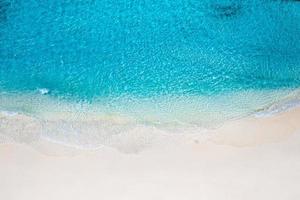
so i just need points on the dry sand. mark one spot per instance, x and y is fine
(253, 158)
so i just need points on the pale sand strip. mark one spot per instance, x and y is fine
(245, 159)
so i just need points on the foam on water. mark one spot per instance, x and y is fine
(86, 125)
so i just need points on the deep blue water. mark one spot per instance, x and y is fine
(87, 49)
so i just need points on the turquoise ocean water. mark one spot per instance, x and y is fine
(154, 62)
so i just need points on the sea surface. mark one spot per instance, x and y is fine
(167, 63)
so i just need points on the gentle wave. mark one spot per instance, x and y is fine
(30, 118)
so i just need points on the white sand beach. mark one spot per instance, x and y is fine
(252, 158)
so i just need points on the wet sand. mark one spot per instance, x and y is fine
(251, 158)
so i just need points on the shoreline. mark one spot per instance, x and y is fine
(85, 128)
(251, 158)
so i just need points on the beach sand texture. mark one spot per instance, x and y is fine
(252, 158)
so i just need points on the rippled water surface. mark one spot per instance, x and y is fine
(178, 55)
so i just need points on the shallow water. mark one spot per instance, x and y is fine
(178, 62)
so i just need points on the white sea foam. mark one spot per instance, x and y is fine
(30, 117)
(43, 91)
(291, 101)
(8, 113)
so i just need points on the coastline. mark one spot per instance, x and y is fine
(150, 100)
(250, 158)
(29, 118)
